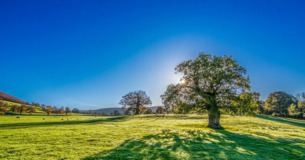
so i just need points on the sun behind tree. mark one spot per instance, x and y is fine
(210, 83)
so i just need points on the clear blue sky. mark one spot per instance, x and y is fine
(88, 54)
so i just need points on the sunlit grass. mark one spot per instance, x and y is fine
(150, 137)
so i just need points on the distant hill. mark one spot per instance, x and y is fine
(6, 97)
(109, 110)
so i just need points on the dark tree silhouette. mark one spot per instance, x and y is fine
(209, 84)
(75, 110)
(160, 110)
(135, 101)
(116, 113)
(278, 103)
(148, 111)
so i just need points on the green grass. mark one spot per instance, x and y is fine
(150, 137)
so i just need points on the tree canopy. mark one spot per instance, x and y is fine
(278, 103)
(67, 110)
(135, 101)
(245, 104)
(210, 83)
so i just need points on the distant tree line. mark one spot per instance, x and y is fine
(22, 108)
(95, 113)
(62, 110)
(55, 110)
(33, 107)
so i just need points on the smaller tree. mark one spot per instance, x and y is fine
(90, 112)
(160, 110)
(22, 108)
(116, 113)
(135, 101)
(55, 109)
(67, 111)
(14, 108)
(75, 110)
(49, 110)
(148, 111)
(31, 110)
(278, 103)
(61, 110)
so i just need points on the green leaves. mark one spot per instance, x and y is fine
(135, 101)
(245, 104)
(278, 103)
(210, 82)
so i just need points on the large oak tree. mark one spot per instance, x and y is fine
(135, 101)
(210, 83)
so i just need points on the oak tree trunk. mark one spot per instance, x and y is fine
(214, 120)
(138, 108)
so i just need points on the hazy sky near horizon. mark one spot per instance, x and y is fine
(88, 54)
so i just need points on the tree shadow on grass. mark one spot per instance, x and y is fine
(64, 122)
(190, 144)
(282, 120)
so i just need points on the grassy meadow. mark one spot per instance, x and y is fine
(150, 137)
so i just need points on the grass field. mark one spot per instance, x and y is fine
(150, 137)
